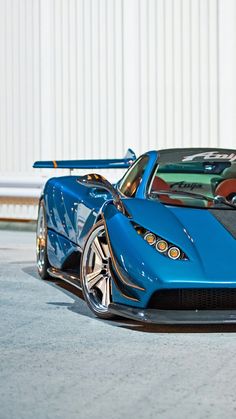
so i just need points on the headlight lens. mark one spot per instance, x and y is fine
(174, 252)
(150, 238)
(161, 245)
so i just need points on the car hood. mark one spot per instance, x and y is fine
(206, 236)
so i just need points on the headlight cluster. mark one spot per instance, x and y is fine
(161, 245)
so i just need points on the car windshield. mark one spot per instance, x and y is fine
(198, 184)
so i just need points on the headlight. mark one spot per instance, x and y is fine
(174, 252)
(161, 245)
(150, 238)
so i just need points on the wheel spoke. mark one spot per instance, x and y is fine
(93, 279)
(106, 293)
(98, 249)
(104, 287)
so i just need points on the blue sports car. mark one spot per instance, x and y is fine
(158, 246)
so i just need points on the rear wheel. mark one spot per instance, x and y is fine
(41, 243)
(95, 272)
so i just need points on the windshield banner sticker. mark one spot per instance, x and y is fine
(185, 185)
(211, 155)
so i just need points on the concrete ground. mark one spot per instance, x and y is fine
(58, 361)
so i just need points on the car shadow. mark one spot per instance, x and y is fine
(80, 307)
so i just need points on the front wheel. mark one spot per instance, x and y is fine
(95, 272)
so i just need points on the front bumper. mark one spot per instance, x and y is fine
(174, 316)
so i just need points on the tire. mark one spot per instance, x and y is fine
(95, 273)
(41, 243)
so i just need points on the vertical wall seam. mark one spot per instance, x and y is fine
(76, 80)
(62, 79)
(91, 79)
(40, 82)
(217, 72)
(33, 81)
(190, 72)
(114, 76)
(54, 74)
(14, 162)
(148, 72)
(107, 86)
(24, 146)
(123, 87)
(199, 76)
(99, 75)
(19, 87)
(139, 77)
(156, 77)
(208, 72)
(181, 66)
(164, 70)
(69, 81)
(83, 75)
(173, 73)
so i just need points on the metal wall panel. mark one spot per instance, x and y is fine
(90, 78)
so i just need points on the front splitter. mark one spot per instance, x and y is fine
(174, 316)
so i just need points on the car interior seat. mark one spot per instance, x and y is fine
(226, 188)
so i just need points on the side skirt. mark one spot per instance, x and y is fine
(65, 276)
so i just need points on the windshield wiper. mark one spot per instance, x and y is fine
(174, 192)
(216, 200)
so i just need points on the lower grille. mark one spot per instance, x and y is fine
(194, 299)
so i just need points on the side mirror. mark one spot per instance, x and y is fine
(94, 180)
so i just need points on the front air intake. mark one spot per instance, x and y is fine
(194, 299)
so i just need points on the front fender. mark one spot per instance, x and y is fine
(146, 270)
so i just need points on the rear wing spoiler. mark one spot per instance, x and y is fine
(124, 163)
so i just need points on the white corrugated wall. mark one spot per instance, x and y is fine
(90, 78)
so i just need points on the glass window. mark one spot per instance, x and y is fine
(198, 184)
(130, 182)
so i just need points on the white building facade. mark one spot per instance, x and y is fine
(90, 78)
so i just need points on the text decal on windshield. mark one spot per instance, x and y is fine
(185, 185)
(211, 155)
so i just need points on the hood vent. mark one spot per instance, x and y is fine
(227, 218)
